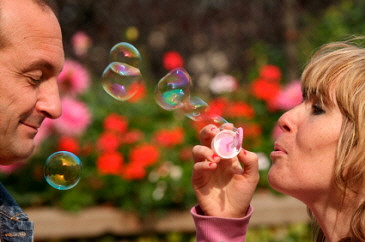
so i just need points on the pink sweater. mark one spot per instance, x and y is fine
(216, 229)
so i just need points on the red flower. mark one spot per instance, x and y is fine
(185, 154)
(270, 73)
(70, 144)
(265, 90)
(140, 92)
(115, 122)
(217, 106)
(132, 136)
(239, 109)
(172, 60)
(134, 171)
(144, 154)
(168, 138)
(110, 163)
(251, 130)
(198, 125)
(108, 141)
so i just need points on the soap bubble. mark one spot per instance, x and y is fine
(173, 93)
(198, 110)
(173, 90)
(121, 81)
(62, 170)
(195, 109)
(125, 53)
(122, 78)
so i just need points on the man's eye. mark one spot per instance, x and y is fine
(316, 109)
(35, 80)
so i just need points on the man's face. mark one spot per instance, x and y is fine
(29, 66)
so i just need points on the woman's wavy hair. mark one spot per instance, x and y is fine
(336, 74)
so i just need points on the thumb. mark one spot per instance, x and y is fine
(250, 164)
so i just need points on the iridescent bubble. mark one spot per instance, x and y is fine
(198, 110)
(121, 81)
(125, 53)
(173, 89)
(62, 170)
(195, 108)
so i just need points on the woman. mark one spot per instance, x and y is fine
(319, 158)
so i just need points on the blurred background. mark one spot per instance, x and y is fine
(244, 58)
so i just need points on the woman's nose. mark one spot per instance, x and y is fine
(288, 120)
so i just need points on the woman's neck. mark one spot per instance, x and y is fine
(334, 214)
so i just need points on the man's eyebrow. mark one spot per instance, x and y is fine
(40, 64)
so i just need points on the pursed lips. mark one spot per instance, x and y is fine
(278, 147)
(278, 150)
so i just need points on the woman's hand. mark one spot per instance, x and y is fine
(224, 188)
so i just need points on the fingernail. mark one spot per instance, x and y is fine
(213, 128)
(211, 163)
(215, 156)
(244, 152)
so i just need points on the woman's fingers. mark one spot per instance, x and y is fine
(207, 133)
(204, 153)
(250, 164)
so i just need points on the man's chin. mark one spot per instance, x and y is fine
(19, 155)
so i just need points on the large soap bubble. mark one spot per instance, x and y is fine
(62, 170)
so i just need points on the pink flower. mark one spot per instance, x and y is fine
(11, 168)
(81, 43)
(289, 97)
(44, 131)
(75, 117)
(276, 132)
(73, 79)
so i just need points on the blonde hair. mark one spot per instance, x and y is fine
(336, 74)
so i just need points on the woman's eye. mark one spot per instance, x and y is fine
(316, 109)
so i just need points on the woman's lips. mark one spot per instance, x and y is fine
(278, 151)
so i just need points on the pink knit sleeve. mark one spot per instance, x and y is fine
(216, 229)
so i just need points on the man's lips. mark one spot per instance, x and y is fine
(31, 125)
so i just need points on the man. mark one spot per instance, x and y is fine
(31, 57)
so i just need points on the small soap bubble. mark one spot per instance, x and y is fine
(198, 110)
(173, 90)
(62, 170)
(121, 81)
(195, 108)
(125, 53)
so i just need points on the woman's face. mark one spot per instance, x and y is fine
(304, 154)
